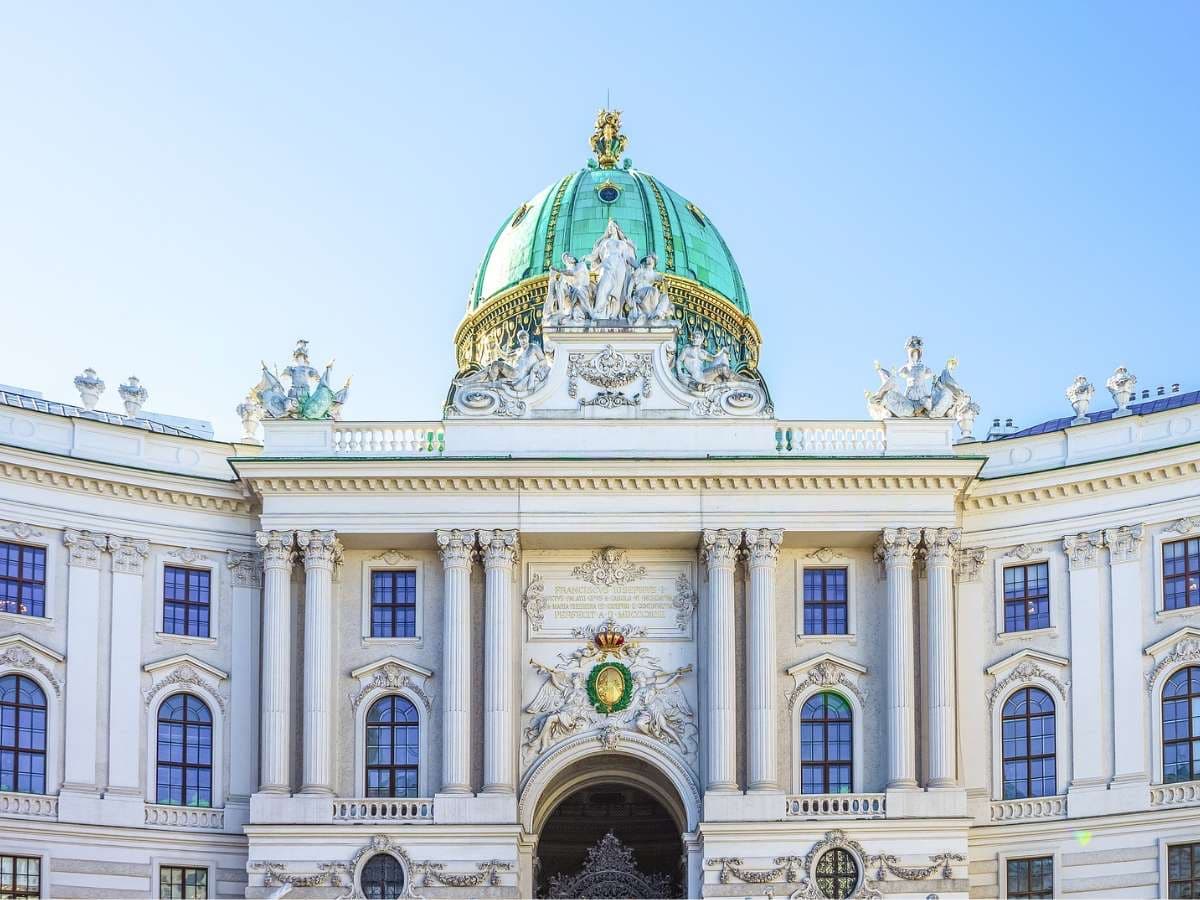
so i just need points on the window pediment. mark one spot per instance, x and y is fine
(1026, 667)
(20, 652)
(827, 670)
(392, 673)
(1177, 648)
(184, 671)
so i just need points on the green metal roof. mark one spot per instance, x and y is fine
(569, 216)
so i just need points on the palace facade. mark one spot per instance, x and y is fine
(608, 627)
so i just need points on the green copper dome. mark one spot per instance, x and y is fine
(569, 216)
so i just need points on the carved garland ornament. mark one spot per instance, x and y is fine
(534, 602)
(391, 677)
(826, 673)
(187, 555)
(183, 675)
(423, 873)
(329, 873)
(684, 601)
(609, 567)
(609, 369)
(1025, 672)
(21, 531)
(734, 867)
(20, 658)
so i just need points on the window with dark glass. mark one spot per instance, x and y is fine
(1028, 728)
(22, 579)
(20, 876)
(182, 883)
(837, 874)
(1181, 574)
(1027, 597)
(1033, 877)
(826, 745)
(184, 752)
(186, 601)
(825, 604)
(1181, 725)
(394, 604)
(1183, 870)
(382, 878)
(393, 748)
(22, 735)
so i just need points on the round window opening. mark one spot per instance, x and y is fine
(382, 878)
(609, 193)
(837, 874)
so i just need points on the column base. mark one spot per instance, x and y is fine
(284, 809)
(468, 809)
(734, 806)
(915, 803)
(1095, 798)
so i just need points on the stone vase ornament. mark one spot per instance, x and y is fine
(1079, 395)
(134, 396)
(966, 413)
(1122, 386)
(90, 388)
(251, 412)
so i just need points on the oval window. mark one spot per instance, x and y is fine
(609, 193)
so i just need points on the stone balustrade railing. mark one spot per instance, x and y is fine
(1184, 793)
(836, 806)
(1030, 808)
(165, 816)
(831, 438)
(389, 438)
(377, 809)
(33, 806)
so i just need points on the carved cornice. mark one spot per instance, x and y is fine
(762, 545)
(21, 531)
(278, 548)
(719, 547)
(969, 563)
(897, 546)
(129, 554)
(1124, 543)
(322, 549)
(941, 544)
(245, 568)
(455, 547)
(499, 547)
(1081, 549)
(84, 548)
(1085, 487)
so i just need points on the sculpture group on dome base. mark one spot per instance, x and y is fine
(914, 390)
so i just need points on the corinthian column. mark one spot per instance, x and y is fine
(500, 551)
(456, 548)
(278, 553)
(762, 768)
(321, 552)
(719, 550)
(896, 548)
(941, 544)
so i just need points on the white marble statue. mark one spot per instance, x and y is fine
(1122, 386)
(560, 707)
(914, 389)
(697, 368)
(661, 710)
(1079, 395)
(649, 304)
(568, 293)
(614, 256)
(521, 372)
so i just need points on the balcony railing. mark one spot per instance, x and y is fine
(163, 815)
(836, 806)
(1030, 808)
(831, 439)
(32, 806)
(1185, 793)
(379, 809)
(389, 438)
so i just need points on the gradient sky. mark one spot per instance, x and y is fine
(185, 189)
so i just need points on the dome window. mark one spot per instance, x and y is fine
(608, 192)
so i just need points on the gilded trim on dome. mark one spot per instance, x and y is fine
(552, 222)
(668, 238)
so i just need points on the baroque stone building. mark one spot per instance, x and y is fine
(606, 628)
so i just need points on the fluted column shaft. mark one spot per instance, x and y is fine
(456, 548)
(719, 549)
(762, 766)
(321, 552)
(500, 550)
(896, 550)
(941, 544)
(278, 553)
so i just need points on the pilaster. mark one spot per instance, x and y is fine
(970, 642)
(1131, 777)
(1087, 733)
(719, 549)
(83, 658)
(125, 665)
(321, 553)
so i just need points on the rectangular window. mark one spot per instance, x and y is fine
(1183, 870)
(394, 604)
(1032, 877)
(1027, 597)
(185, 601)
(826, 609)
(20, 876)
(1181, 574)
(183, 882)
(22, 579)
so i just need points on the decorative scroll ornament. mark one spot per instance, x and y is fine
(825, 673)
(455, 547)
(609, 567)
(21, 531)
(1023, 673)
(969, 562)
(1024, 551)
(392, 557)
(609, 368)
(825, 555)
(308, 395)
(1124, 543)
(380, 843)
(187, 555)
(20, 658)
(1186, 525)
(610, 871)
(719, 390)
(245, 568)
(183, 675)
(611, 400)
(684, 602)
(84, 547)
(128, 554)
(1081, 548)
(278, 547)
(391, 677)
(421, 873)
(1185, 651)
(915, 391)
(534, 602)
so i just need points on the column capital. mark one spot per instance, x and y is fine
(85, 548)
(245, 568)
(941, 544)
(499, 546)
(1125, 543)
(719, 547)
(278, 548)
(968, 563)
(896, 546)
(322, 550)
(1081, 548)
(129, 554)
(762, 545)
(455, 546)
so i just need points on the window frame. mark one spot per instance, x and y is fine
(1158, 735)
(388, 849)
(43, 861)
(209, 888)
(207, 687)
(859, 762)
(825, 763)
(185, 766)
(36, 538)
(54, 699)
(854, 860)
(1003, 858)
(176, 558)
(1165, 844)
(392, 767)
(836, 561)
(424, 717)
(1056, 575)
(1004, 600)
(1161, 540)
(393, 607)
(824, 603)
(392, 561)
(1029, 756)
(185, 859)
(46, 733)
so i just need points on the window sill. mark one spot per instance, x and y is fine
(1161, 615)
(24, 617)
(385, 641)
(1005, 636)
(828, 638)
(161, 636)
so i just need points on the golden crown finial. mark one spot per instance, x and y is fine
(607, 141)
(608, 639)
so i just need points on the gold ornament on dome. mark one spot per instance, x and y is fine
(607, 141)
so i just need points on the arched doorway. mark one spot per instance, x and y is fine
(610, 840)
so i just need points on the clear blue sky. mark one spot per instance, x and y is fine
(187, 188)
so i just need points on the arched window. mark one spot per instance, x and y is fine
(1181, 725)
(382, 878)
(184, 752)
(837, 874)
(393, 748)
(22, 735)
(826, 754)
(1028, 727)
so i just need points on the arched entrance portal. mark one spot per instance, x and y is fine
(610, 840)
